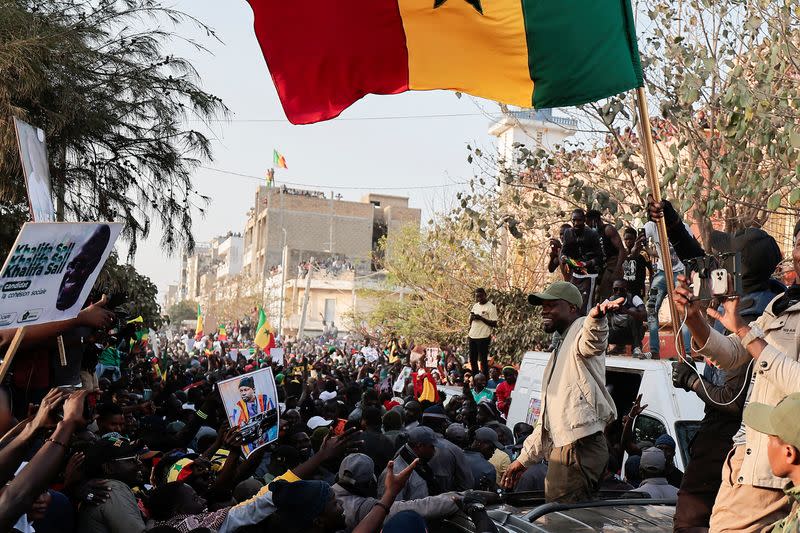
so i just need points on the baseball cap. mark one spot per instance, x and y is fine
(653, 460)
(559, 290)
(421, 435)
(357, 470)
(326, 395)
(317, 421)
(488, 435)
(665, 440)
(781, 420)
(456, 431)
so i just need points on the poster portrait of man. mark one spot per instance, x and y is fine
(251, 404)
(81, 265)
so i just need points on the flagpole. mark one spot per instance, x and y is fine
(648, 149)
(12, 351)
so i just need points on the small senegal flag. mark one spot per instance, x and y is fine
(198, 330)
(264, 337)
(222, 335)
(278, 160)
(325, 55)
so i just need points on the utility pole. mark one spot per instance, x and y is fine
(306, 295)
(284, 266)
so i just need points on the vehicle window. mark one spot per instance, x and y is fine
(685, 431)
(648, 428)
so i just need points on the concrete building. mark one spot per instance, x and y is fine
(313, 225)
(228, 254)
(336, 239)
(535, 128)
(171, 296)
(193, 266)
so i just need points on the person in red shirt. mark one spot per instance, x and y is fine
(503, 391)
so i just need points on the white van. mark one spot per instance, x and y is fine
(669, 410)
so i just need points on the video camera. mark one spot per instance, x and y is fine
(715, 276)
(258, 425)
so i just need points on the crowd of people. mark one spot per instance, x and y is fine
(367, 440)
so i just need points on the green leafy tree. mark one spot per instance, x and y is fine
(135, 292)
(115, 107)
(438, 271)
(723, 83)
(183, 310)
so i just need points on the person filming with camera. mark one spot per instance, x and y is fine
(750, 497)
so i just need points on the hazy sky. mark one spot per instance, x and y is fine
(349, 156)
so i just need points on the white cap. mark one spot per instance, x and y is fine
(317, 421)
(325, 395)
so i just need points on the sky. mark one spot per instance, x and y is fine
(348, 155)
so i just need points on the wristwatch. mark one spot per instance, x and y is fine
(754, 333)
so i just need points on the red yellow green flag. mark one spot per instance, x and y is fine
(264, 337)
(278, 160)
(325, 55)
(198, 330)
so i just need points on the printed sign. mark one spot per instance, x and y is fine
(277, 355)
(33, 155)
(251, 403)
(431, 357)
(51, 270)
(534, 411)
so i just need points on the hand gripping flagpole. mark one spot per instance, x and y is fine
(648, 149)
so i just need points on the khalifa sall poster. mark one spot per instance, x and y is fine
(51, 269)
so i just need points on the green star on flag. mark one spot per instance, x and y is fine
(474, 3)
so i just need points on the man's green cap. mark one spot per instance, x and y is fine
(559, 290)
(782, 420)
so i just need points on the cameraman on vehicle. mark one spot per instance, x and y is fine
(724, 391)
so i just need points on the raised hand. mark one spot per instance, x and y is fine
(73, 408)
(96, 315)
(73, 472)
(394, 483)
(232, 439)
(637, 408)
(730, 317)
(601, 309)
(347, 442)
(47, 415)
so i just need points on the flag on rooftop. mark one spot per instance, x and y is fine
(278, 160)
(324, 55)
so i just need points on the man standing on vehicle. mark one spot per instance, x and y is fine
(482, 321)
(576, 407)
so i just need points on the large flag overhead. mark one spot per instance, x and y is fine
(264, 338)
(324, 55)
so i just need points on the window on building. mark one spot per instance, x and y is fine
(330, 310)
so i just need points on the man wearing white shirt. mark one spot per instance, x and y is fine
(482, 321)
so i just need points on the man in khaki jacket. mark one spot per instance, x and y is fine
(751, 497)
(576, 406)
